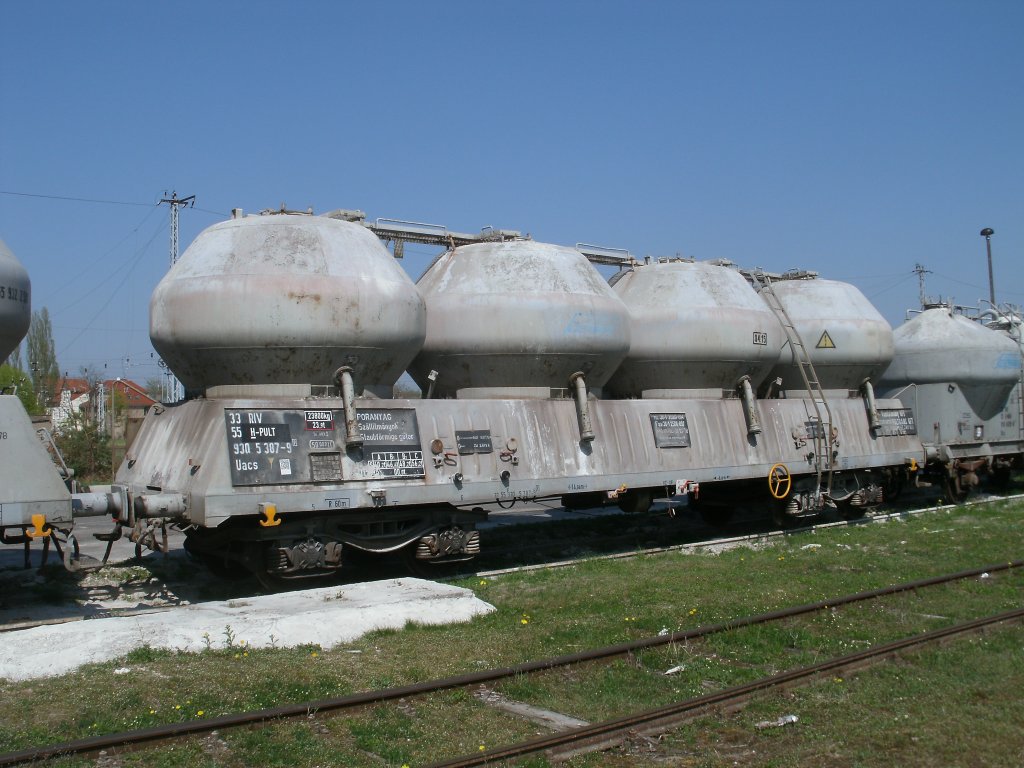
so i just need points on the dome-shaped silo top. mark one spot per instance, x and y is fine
(518, 314)
(938, 346)
(846, 339)
(15, 302)
(286, 299)
(694, 325)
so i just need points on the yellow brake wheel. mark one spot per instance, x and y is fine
(779, 481)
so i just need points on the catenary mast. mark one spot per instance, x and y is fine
(175, 390)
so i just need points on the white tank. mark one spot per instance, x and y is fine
(846, 338)
(517, 318)
(286, 299)
(939, 347)
(694, 326)
(15, 302)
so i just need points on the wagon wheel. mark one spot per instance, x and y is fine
(955, 492)
(714, 513)
(636, 501)
(1000, 477)
(892, 486)
(431, 569)
(850, 511)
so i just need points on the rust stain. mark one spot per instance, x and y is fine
(316, 298)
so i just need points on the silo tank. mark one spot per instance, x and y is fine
(286, 299)
(695, 325)
(15, 302)
(517, 319)
(845, 337)
(940, 347)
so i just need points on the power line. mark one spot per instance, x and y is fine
(98, 200)
(91, 266)
(113, 293)
(130, 260)
(76, 199)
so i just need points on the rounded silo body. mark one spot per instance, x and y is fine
(286, 299)
(15, 302)
(846, 339)
(517, 318)
(694, 326)
(940, 347)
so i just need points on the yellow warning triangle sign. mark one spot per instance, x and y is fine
(825, 342)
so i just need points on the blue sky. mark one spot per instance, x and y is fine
(851, 138)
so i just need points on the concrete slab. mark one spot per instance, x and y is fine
(324, 617)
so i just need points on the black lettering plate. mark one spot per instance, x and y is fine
(670, 430)
(473, 441)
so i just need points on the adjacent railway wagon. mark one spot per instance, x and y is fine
(540, 378)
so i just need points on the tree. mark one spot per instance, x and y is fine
(96, 393)
(15, 359)
(85, 448)
(155, 388)
(42, 355)
(12, 377)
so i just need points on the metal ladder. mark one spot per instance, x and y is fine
(823, 442)
(1020, 398)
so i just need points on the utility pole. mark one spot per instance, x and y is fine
(987, 233)
(921, 272)
(177, 391)
(175, 202)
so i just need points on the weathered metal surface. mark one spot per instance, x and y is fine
(959, 377)
(286, 299)
(29, 483)
(518, 314)
(694, 325)
(15, 302)
(535, 451)
(938, 346)
(846, 338)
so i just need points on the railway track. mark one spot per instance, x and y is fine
(761, 534)
(657, 720)
(649, 719)
(758, 536)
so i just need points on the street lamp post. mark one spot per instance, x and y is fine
(987, 233)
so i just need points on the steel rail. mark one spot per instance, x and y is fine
(659, 715)
(694, 545)
(177, 730)
(736, 540)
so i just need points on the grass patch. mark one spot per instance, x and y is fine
(961, 694)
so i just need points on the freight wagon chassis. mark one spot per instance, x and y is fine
(293, 487)
(315, 545)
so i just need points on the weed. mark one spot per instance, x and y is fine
(962, 697)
